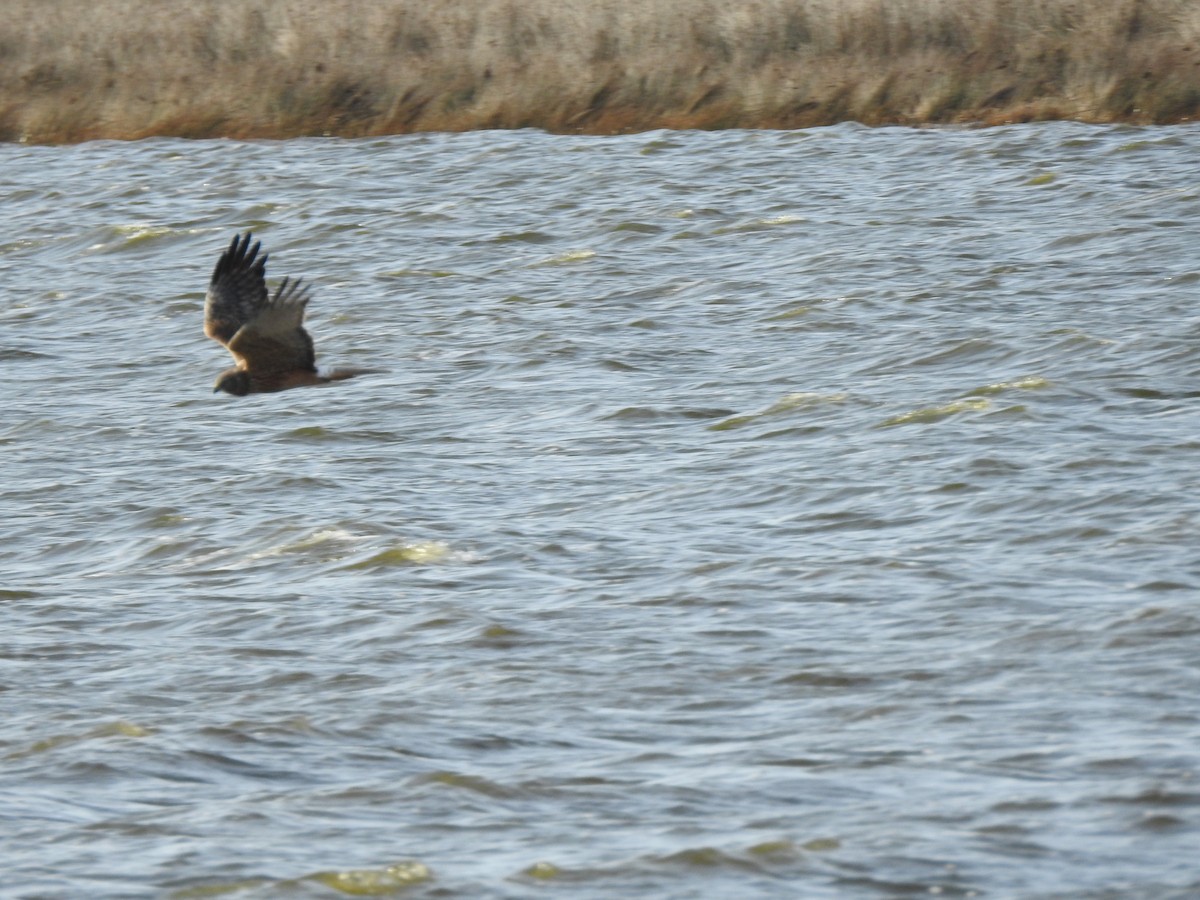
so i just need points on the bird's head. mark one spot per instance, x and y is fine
(233, 381)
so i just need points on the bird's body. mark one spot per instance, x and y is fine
(265, 334)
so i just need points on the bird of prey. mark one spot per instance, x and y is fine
(265, 334)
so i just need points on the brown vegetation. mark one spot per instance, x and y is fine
(73, 70)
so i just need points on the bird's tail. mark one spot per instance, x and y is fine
(342, 373)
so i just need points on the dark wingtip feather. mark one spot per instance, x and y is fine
(240, 256)
(292, 291)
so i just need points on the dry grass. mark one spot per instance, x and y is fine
(72, 70)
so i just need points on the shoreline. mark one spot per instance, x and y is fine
(119, 69)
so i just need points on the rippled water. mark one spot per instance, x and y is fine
(742, 514)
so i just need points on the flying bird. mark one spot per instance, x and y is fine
(265, 334)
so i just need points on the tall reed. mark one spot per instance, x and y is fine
(71, 70)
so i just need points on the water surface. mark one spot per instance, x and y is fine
(742, 514)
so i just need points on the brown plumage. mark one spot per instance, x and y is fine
(265, 334)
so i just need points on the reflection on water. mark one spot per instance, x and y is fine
(742, 513)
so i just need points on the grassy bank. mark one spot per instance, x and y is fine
(73, 70)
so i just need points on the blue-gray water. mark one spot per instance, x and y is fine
(741, 515)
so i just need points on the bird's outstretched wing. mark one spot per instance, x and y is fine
(275, 339)
(264, 334)
(238, 289)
